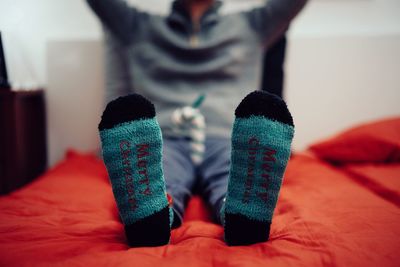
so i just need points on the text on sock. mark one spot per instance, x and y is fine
(268, 158)
(125, 148)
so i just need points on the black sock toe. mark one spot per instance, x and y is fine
(126, 108)
(260, 103)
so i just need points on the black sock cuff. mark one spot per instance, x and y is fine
(151, 231)
(260, 103)
(127, 108)
(255, 231)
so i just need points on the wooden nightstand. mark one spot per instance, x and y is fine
(23, 151)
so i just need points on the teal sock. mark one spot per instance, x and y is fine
(261, 141)
(132, 150)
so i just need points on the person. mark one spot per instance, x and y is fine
(171, 61)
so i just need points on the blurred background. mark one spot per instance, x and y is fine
(342, 65)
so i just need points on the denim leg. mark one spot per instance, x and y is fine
(179, 174)
(214, 173)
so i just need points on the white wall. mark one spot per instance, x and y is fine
(342, 68)
(347, 80)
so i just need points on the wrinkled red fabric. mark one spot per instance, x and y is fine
(324, 217)
(377, 142)
(382, 179)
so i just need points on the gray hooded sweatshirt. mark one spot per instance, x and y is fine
(171, 61)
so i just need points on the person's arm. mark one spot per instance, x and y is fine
(117, 16)
(271, 20)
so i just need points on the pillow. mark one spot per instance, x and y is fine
(376, 142)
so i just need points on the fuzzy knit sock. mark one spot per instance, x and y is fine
(132, 149)
(261, 138)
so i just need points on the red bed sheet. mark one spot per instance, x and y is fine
(324, 218)
(382, 179)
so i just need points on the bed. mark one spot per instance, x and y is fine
(339, 206)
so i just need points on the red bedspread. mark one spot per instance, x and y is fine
(324, 217)
(382, 179)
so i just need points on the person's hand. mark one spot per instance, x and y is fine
(189, 122)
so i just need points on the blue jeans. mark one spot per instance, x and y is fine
(210, 177)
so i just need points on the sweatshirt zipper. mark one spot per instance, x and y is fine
(194, 38)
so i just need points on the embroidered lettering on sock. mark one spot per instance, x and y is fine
(125, 149)
(252, 153)
(142, 154)
(268, 160)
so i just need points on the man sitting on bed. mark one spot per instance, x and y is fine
(196, 65)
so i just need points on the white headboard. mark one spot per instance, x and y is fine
(74, 95)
